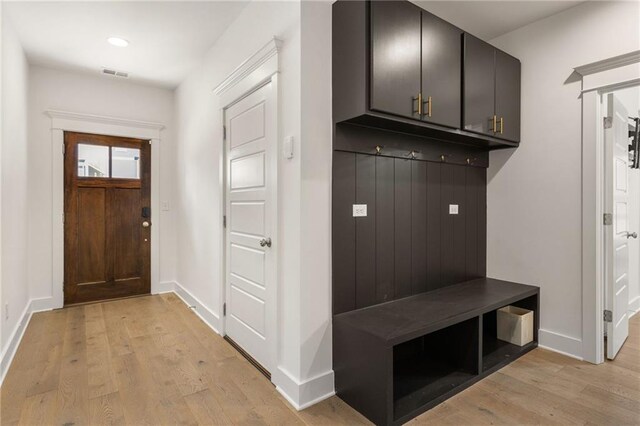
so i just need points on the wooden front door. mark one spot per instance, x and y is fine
(107, 217)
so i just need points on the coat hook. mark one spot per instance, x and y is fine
(443, 158)
(414, 154)
(379, 149)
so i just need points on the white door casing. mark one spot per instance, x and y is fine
(251, 212)
(617, 234)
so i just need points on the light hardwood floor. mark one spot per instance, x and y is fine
(150, 360)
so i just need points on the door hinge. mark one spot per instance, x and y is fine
(224, 221)
(62, 217)
(608, 219)
(64, 149)
(224, 133)
(608, 316)
(224, 309)
(608, 122)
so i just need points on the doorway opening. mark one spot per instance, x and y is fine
(621, 201)
(107, 217)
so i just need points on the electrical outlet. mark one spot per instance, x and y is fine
(453, 209)
(359, 210)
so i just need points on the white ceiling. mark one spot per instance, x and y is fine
(490, 19)
(167, 39)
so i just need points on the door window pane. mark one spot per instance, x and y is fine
(93, 160)
(125, 163)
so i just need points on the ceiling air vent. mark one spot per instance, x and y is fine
(115, 73)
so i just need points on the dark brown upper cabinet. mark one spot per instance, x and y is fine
(415, 64)
(441, 71)
(399, 68)
(395, 58)
(507, 96)
(491, 90)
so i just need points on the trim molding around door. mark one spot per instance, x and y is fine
(597, 78)
(64, 121)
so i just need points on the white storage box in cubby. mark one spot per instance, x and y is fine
(515, 325)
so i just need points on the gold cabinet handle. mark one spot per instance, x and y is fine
(494, 124)
(419, 100)
(501, 125)
(429, 103)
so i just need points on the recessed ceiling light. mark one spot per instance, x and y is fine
(117, 41)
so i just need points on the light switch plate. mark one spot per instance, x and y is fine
(165, 206)
(359, 210)
(287, 147)
(453, 209)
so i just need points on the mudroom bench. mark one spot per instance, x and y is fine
(395, 360)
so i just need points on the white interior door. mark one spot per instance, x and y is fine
(617, 234)
(251, 214)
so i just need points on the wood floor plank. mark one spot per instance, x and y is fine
(152, 361)
(101, 378)
(106, 410)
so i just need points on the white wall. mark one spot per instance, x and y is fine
(304, 370)
(316, 157)
(13, 186)
(534, 192)
(62, 90)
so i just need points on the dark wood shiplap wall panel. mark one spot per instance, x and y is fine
(385, 242)
(434, 245)
(344, 232)
(366, 231)
(482, 223)
(419, 226)
(408, 243)
(402, 228)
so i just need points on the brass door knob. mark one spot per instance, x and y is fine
(145, 224)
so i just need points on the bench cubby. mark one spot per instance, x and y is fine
(395, 360)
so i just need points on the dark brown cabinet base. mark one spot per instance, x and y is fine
(396, 360)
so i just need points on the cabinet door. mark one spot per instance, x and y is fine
(479, 85)
(395, 57)
(508, 96)
(441, 71)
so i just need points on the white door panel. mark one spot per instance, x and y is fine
(247, 126)
(250, 198)
(247, 217)
(247, 172)
(617, 247)
(248, 263)
(248, 309)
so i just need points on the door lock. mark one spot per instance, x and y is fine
(265, 242)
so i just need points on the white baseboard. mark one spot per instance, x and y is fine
(566, 345)
(165, 287)
(305, 393)
(33, 306)
(42, 304)
(634, 306)
(208, 316)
